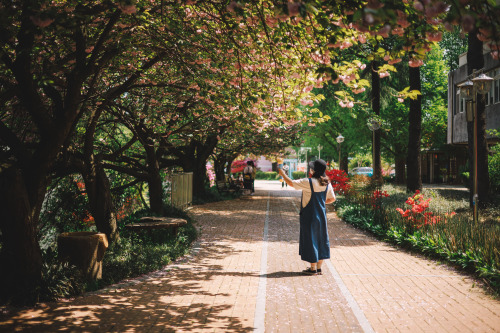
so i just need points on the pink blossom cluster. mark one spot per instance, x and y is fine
(211, 175)
(346, 104)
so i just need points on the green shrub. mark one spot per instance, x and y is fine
(494, 169)
(65, 206)
(59, 279)
(212, 195)
(269, 175)
(138, 253)
(298, 174)
(464, 176)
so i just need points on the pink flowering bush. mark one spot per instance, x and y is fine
(211, 175)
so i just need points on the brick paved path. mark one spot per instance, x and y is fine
(244, 276)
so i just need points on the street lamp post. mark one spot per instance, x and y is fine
(340, 139)
(480, 84)
(306, 149)
(319, 150)
(374, 125)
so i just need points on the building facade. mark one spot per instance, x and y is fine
(457, 122)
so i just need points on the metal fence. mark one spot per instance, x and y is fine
(182, 190)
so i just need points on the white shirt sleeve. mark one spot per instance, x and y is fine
(303, 184)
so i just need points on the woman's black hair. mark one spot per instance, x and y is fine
(323, 180)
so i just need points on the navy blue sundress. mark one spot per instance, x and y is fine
(314, 243)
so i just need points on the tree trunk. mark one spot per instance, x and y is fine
(97, 184)
(400, 168)
(219, 166)
(377, 164)
(20, 257)
(199, 176)
(414, 134)
(155, 192)
(230, 160)
(100, 199)
(475, 61)
(344, 161)
(199, 169)
(194, 159)
(155, 184)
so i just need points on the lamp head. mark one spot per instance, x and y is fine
(482, 83)
(373, 125)
(466, 90)
(340, 138)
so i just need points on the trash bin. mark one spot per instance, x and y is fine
(85, 250)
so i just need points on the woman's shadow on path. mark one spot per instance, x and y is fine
(282, 274)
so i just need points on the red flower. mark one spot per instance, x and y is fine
(450, 214)
(88, 219)
(402, 212)
(417, 216)
(339, 181)
(377, 197)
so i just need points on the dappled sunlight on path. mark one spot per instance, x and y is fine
(222, 286)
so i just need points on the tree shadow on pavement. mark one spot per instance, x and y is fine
(176, 298)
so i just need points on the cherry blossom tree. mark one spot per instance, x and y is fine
(52, 54)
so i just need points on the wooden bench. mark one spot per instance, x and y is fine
(222, 186)
(152, 222)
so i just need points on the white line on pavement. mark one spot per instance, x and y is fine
(365, 324)
(358, 313)
(260, 307)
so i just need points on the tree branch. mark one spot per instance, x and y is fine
(125, 170)
(14, 143)
(21, 69)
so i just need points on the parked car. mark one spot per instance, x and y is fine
(366, 171)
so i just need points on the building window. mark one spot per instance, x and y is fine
(496, 86)
(461, 103)
(493, 96)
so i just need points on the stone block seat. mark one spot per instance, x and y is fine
(84, 250)
(153, 222)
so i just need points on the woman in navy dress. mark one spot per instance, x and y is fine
(314, 245)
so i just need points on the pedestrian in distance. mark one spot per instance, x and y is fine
(314, 244)
(285, 170)
(279, 160)
(249, 176)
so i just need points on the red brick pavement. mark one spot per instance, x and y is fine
(366, 285)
